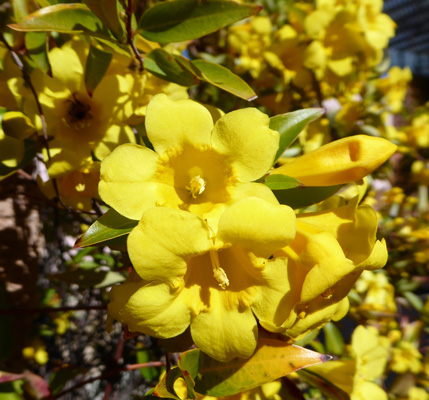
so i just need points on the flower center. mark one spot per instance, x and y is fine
(196, 186)
(218, 272)
(78, 113)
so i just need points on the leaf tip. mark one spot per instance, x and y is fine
(257, 9)
(326, 357)
(252, 98)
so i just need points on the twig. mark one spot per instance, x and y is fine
(130, 39)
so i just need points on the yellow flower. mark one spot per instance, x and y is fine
(406, 357)
(342, 161)
(218, 284)
(418, 132)
(36, 352)
(331, 249)
(380, 294)
(416, 393)
(250, 40)
(76, 180)
(356, 377)
(79, 121)
(197, 165)
(394, 86)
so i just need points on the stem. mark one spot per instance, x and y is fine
(130, 38)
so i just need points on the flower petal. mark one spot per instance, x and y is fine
(124, 183)
(342, 161)
(257, 226)
(245, 138)
(114, 135)
(224, 333)
(155, 310)
(162, 241)
(172, 124)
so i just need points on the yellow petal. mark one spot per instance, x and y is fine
(342, 161)
(114, 135)
(245, 138)
(340, 373)
(257, 226)
(163, 240)
(124, 180)
(224, 333)
(173, 124)
(17, 125)
(151, 309)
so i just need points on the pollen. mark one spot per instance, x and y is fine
(196, 186)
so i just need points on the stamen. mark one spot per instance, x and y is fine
(196, 186)
(218, 272)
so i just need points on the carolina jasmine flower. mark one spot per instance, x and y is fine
(329, 252)
(198, 164)
(75, 119)
(218, 284)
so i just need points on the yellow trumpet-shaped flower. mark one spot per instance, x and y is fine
(342, 161)
(198, 165)
(330, 250)
(218, 284)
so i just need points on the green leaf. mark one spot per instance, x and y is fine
(305, 196)
(96, 66)
(224, 79)
(334, 342)
(291, 124)
(272, 360)
(414, 300)
(109, 226)
(63, 18)
(36, 44)
(165, 387)
(279, 182)
(165, 66)
(107, 11)
(176, 21)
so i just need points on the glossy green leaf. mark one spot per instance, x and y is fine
(109, 226)
(280, 182)
(36, 44)
(165, 66)
(305, 196)
(224, 79)
(63, 18)
(291, 124)
(96, 67)
(179, 20)
(272, 360)
(334, 342)
(107, 11)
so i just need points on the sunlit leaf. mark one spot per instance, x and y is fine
(279, 182)
(291, 124)
(165, 66)
(63, 18)
(224, 79)
(272, 360)
(36, 44)
(305, 196)
(96, 66)
(111, 225)
(176, 21)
